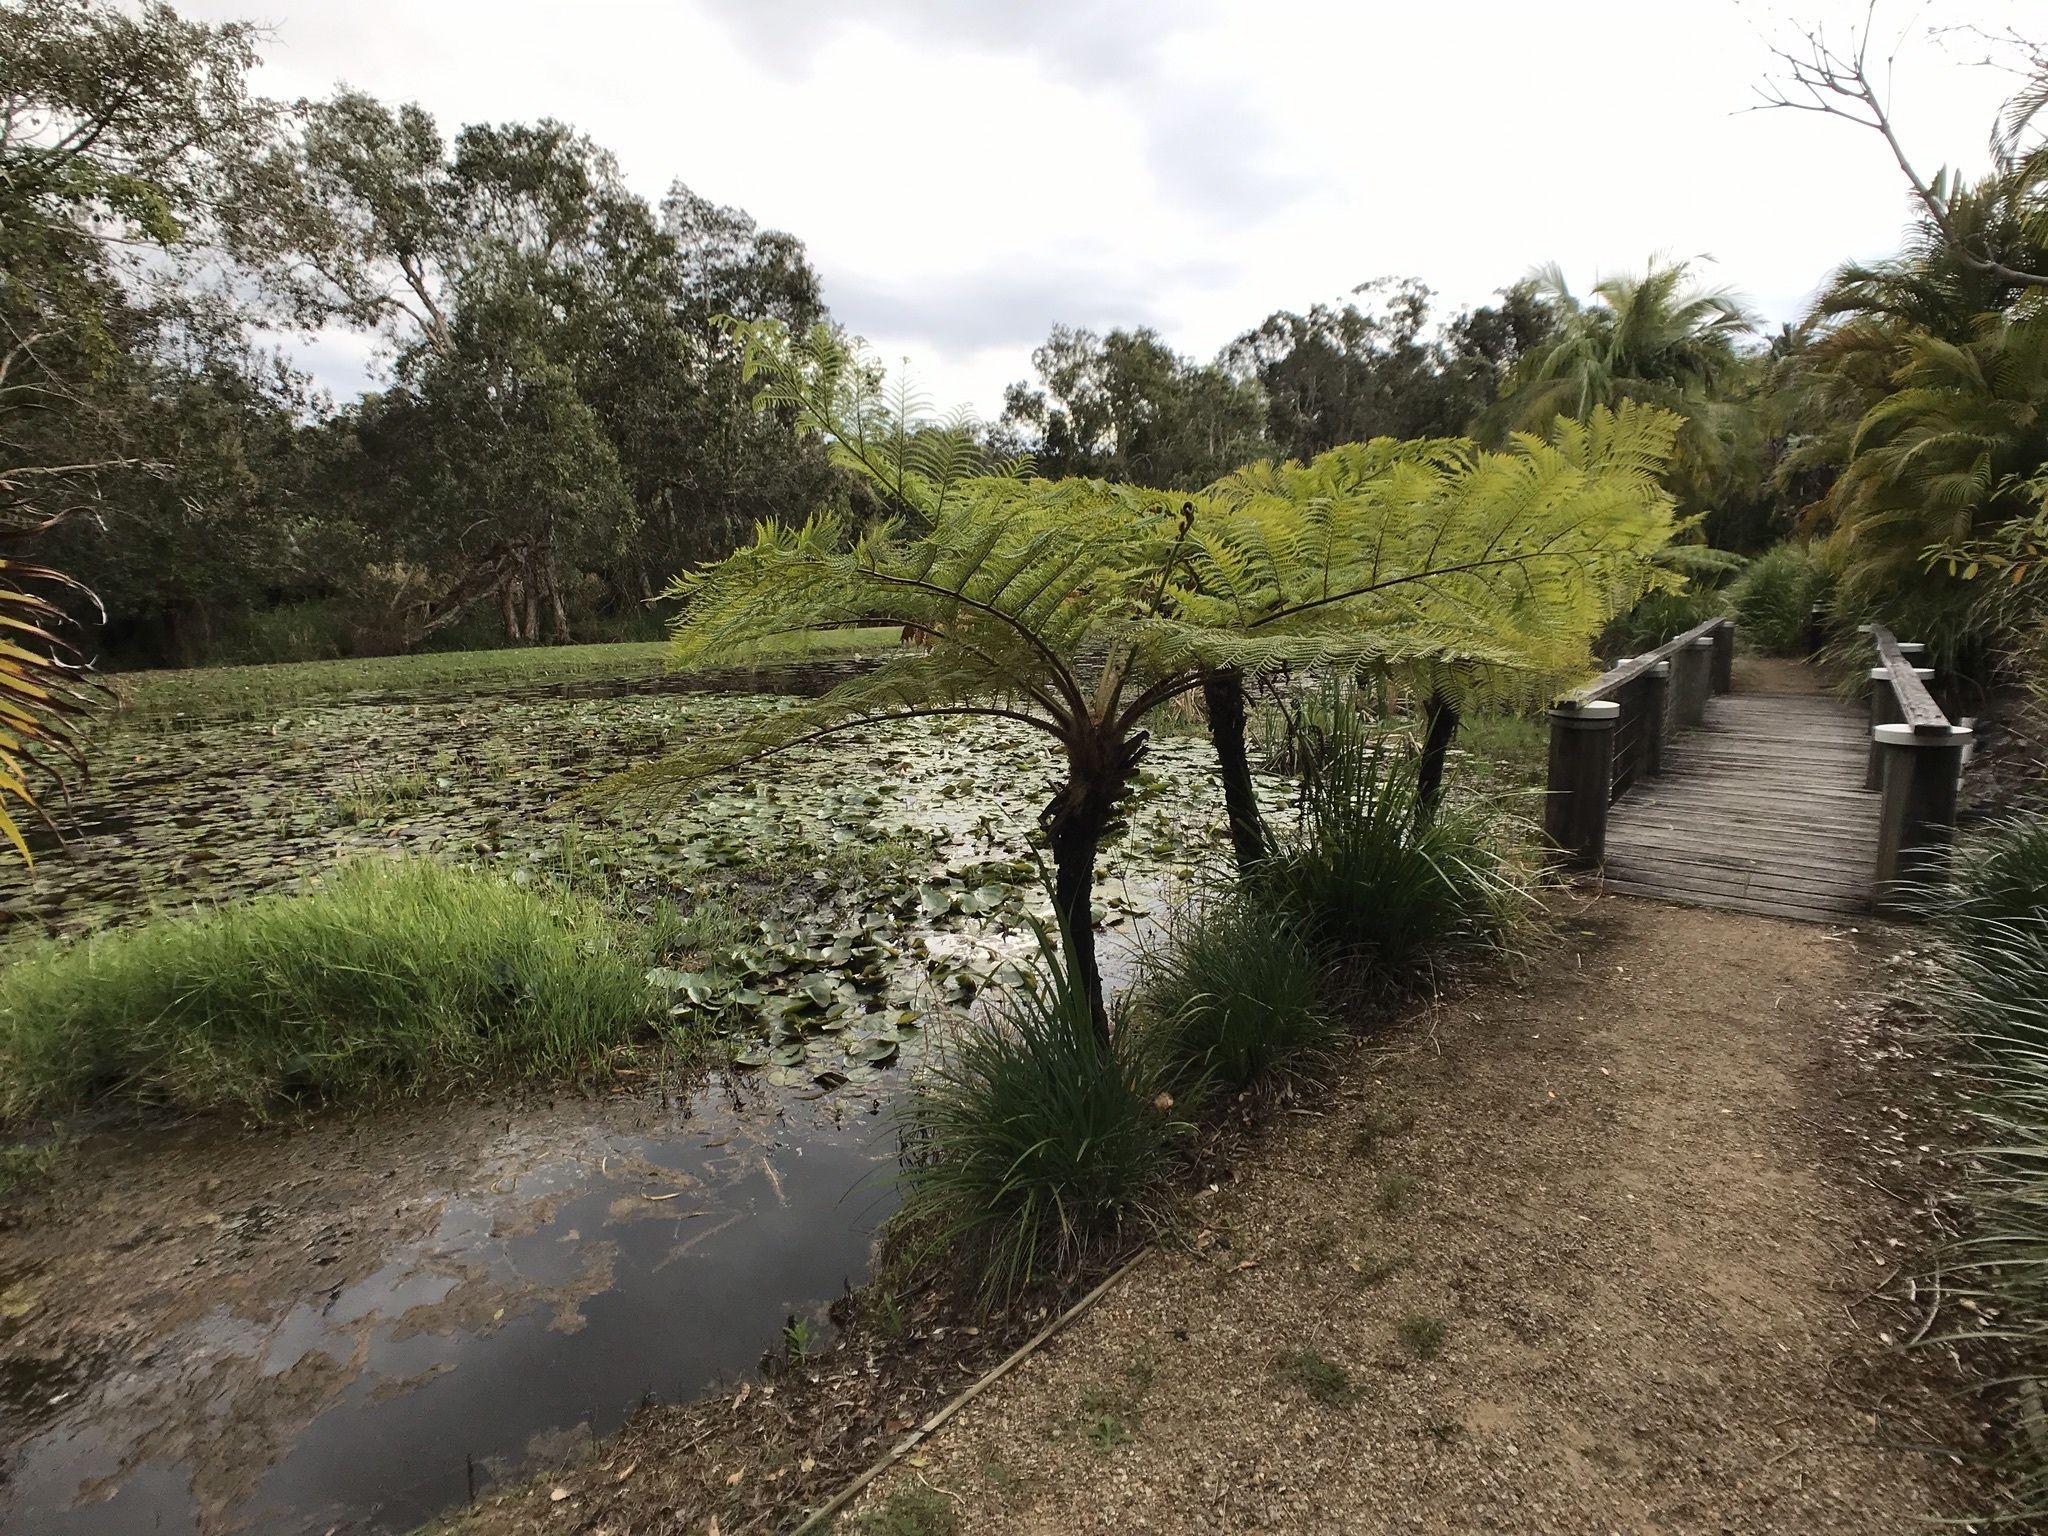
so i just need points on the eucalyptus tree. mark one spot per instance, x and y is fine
(1074, 608)
(1126, 406)
(124, 137)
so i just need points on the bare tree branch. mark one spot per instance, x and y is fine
(1821, 78)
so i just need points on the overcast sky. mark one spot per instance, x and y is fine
(967, 172)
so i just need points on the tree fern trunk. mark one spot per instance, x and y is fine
(1074, 847)
(1223, 699)
(1099, 772)
(1442, 718)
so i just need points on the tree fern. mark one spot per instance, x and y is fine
(1075, 607)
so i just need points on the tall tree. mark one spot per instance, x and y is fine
(1126, 406)
(1374, 367)
(123, 142)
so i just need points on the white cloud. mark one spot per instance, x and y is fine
(967, 171)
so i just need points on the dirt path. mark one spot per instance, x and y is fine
(1638, 1193)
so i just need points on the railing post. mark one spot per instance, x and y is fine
(1724, 657)
(1581, 775)
(1694, 680)
(1922, 775)
(1656, 700)
(1884, 710)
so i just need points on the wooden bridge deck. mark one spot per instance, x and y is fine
(1761, 809)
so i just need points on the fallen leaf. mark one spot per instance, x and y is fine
(671, 1195)
(558, 1495)
(734, 1480)
(631, 1468)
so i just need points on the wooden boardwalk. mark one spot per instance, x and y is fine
(1761, 809)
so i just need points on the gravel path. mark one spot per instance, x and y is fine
(1595, 1249)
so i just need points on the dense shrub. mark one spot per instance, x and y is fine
(1037, 1139)
(1658, 617)
(395, 977)
(1376, 879)
(1773, 600)
(1993, 988)
(1233, 994)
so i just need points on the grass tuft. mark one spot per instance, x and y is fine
(1372, 876)
(1233, 995)
(1039, 1140)
(1421, 1336)
(910, 1512)
(1991, 983)
(1773, 600)
(394, 977)
(1320, 1377)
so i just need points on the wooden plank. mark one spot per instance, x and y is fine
(1609, 682)
(1916, 705)
(1742, 882)
(1760, 809)
(1804, 912)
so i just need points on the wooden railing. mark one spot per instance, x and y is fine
(1916, 763)
(1610, 734)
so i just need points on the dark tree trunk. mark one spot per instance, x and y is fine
(1099, 772)
(1223, 698)
(1442, 718)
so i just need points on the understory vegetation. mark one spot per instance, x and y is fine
(390, 978)
(1040, 1141)
(1992, 989)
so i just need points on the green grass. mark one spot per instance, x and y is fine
(2000, 876)
(910, 1512)
(25, 1166)
(1234, 995)
(1421, 1336)
(1320, 1377)
(1990, 984)
(1039, 1142)
(1397, 1191)
(255, 691)
(1773, 600)
(394, 977)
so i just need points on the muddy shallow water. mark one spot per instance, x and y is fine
(571, 1261)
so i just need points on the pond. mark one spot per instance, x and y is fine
(348, 1323)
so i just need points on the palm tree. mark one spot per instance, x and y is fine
(1074, 608)
(1660, 339)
